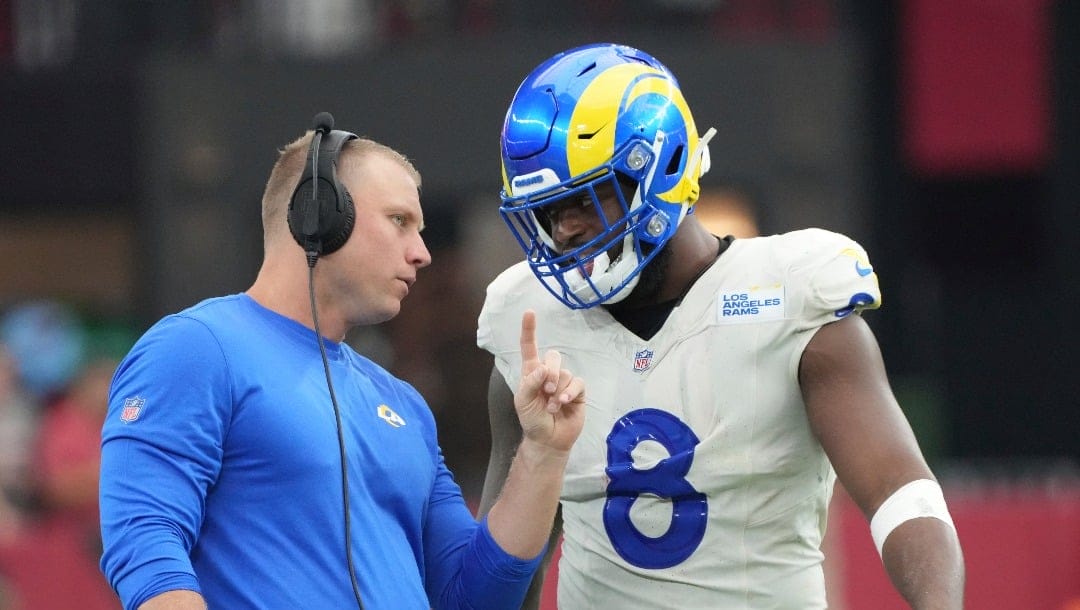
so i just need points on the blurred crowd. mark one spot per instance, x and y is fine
(54, 381)
(45, 34)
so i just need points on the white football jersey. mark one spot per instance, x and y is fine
(696, 482)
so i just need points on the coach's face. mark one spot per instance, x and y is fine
(378, 264)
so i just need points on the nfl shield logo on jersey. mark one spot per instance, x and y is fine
(642, 360)
(132, 409)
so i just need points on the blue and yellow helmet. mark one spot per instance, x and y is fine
(602, 113)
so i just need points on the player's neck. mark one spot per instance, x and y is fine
(693, 251)
(671, 274)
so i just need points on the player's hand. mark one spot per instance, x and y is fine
(550, 401)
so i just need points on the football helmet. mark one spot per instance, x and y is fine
(601, 113)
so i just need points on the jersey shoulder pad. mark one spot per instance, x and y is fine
(508, 295)
(833, 272)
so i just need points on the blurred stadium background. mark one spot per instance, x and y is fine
(942, 134)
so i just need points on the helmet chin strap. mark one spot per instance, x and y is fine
(606, 275)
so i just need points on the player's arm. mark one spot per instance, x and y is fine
(855, 416)
(550, 406)
(505, 438)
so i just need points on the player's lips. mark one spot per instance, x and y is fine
(585, 260)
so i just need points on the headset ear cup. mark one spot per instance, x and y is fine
(322, 226)
(299, 208)
(314, 223)
(338, 234)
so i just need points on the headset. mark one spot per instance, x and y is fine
(321, 212)
(321, 218)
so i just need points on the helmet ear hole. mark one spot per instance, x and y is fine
(675, 162)
(627, 185)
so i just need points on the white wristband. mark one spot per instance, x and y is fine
(920, 498)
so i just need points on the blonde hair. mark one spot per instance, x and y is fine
(292, 159)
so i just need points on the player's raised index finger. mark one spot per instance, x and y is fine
(529, 352)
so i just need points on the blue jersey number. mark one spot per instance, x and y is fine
(689, 508)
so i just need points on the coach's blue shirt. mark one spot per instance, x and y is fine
(221, 474)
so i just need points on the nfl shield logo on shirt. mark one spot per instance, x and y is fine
(132, 409)
(642, 360)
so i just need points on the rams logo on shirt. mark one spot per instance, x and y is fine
(387, 414)
(862, 264)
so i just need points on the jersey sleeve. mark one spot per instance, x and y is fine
(833, 274)
(169, 407)
(498, 324)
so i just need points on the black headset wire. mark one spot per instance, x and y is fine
(341, 438)
(312, 258)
